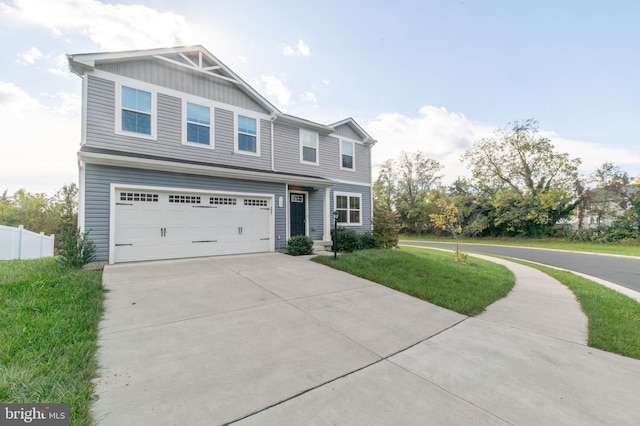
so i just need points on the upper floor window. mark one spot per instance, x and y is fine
(198, 122)
(346, 155)
(247, 135)
(136, 110)
(308, 147)
(348, 206)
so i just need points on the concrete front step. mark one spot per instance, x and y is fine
(322, 246)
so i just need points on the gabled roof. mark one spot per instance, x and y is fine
(195, 58)
(366, 138)
(198, 59)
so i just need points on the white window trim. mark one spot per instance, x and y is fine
(353, 156)
(348, 194)
(211, 126)
(302, 161)
(154, 111)
(235, 134)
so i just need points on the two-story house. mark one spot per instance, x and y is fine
(180, 157)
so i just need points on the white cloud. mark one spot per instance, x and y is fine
(274, 87)
(309, 97)
(302, 49)
(30, 56)
(440, 134)
(67, 103)
(15, 103)
(111, 26)
(59, 67)
(39, 143)
(593, 155)
(445, 136)
(287, 50)
(325, 82)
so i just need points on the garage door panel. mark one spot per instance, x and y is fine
(163, 225)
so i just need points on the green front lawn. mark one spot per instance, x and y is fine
(467, 288)
(49, 319)
(548, 243)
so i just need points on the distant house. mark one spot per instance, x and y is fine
(181, 158)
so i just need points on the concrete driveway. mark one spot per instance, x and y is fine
(275, 340)
(213, 340)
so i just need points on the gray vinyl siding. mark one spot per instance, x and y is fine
(347, 132)
(365, 204)
(316, 223)
(178, 78)
(97, 187)
(101, 112)
(287, 157)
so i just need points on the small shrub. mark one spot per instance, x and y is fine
(76, 249)
(461, 257)
(369, 241)
(386, 227)
(299, 245)
(348, 240)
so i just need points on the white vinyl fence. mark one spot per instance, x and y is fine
(19, 243)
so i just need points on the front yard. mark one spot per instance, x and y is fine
(48, 334)
(467, 288)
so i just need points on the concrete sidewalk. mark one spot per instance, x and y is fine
(275, 340)
(524, 362)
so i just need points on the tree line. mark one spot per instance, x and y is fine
(520, 186)
(40, 212)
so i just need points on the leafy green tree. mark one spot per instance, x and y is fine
(36, 212)
(406, 186)
(67, 200)
(474, 207)
(531, 185)
(40, 213)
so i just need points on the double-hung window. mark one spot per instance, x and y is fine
(136, 111)
(346, 155)
(247, 135)
(198, 124)
(348, 206)
(308, 147)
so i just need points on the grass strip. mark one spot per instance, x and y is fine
(48, 334)
(614, 319)
(548, 243)
(467, 288)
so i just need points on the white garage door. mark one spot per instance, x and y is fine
(167, 225)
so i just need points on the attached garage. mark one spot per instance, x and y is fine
(156, 223)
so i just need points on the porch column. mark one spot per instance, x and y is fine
(326, 235)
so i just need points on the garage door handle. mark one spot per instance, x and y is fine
(163, 232)
(239, 230)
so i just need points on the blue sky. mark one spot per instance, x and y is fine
(427, 75)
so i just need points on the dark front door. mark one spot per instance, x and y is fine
(297, 214)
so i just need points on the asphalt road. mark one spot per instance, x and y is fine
(624, 271)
